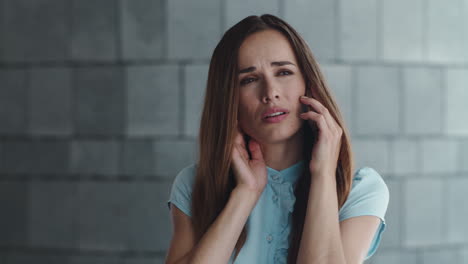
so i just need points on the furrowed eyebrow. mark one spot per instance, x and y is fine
(274, 63)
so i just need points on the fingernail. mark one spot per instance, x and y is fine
(302, 96)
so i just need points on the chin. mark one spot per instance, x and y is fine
(276, 136)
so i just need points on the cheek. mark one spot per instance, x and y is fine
(247, 110)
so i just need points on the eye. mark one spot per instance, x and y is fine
(246, 81)
(288, 72)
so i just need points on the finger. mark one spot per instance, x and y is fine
(255, 150)
(314, 104)
(318, 118)
(321, 109)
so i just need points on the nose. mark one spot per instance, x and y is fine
(270, 90)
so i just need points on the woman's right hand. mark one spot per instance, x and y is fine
(249, 173)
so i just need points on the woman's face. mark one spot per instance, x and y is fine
(269, 85)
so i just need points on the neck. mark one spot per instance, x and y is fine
(284, 154)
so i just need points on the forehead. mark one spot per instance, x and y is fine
(265, 46)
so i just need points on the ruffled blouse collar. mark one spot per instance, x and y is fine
(282, 184)
(290, 174)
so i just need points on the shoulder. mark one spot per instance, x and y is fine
(368, 179)
(181, 191)
(186, 176)
(369, 195)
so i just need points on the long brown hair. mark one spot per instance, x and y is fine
(214, 180)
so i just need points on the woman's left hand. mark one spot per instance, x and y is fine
(324, 156)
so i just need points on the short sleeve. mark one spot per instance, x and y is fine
(369, 196)
(181, 191)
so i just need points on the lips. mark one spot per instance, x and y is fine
(273, 110)
(275, 119)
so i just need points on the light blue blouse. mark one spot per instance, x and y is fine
(270, 221)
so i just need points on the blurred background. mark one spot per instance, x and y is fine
(100, 104)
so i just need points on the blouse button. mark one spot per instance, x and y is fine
(269, 238)
(275, 177)
(275, 198)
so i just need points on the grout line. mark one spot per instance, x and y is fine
(379, 30)
(87, 63)
(402, 210)
(281, 9)
(402, 100)
(391, 152)
(27, 75)
(337, 29)
(444, 98)
(174, 137)
(81, 252)
(165, 45)
(354, 98)
(118, 40)
(222, 17)
(125, 121)
(152, 177)
(444, 220)
(182, 86)
(425, 30)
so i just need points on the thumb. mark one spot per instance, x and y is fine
(255, 150)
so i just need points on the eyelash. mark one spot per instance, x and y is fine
(243, 82)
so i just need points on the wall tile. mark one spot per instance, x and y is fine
(94, 157)
(464, 255)
(358, 30)
(402, 33)
(339, 79)
(37, 258)
(439, 156)
(143, 29)
(423, 98)
(94, 30)
(378, 103)
(35, 31)
(153, 100)
(392, 256)
(457, 231)
(154, 260)
(124, 216)
(372, 153)
(94, 260)
(13, 101)
(193, 28)
(35, 156)
(52, 213)
(99, 100)
(406, 157)
(463, 160)
(237, 10)
(50, 101)
(172, 155)
(426, 196)
(440, 256)
(457, 108)
(445, 41)
(392, 236)
(316, 22)
(14, 220)
(138, 157)
(196, 77)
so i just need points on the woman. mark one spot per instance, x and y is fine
(274, 181)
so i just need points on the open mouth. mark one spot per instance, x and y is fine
(275, 115)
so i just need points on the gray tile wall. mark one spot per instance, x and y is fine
(100, 104)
